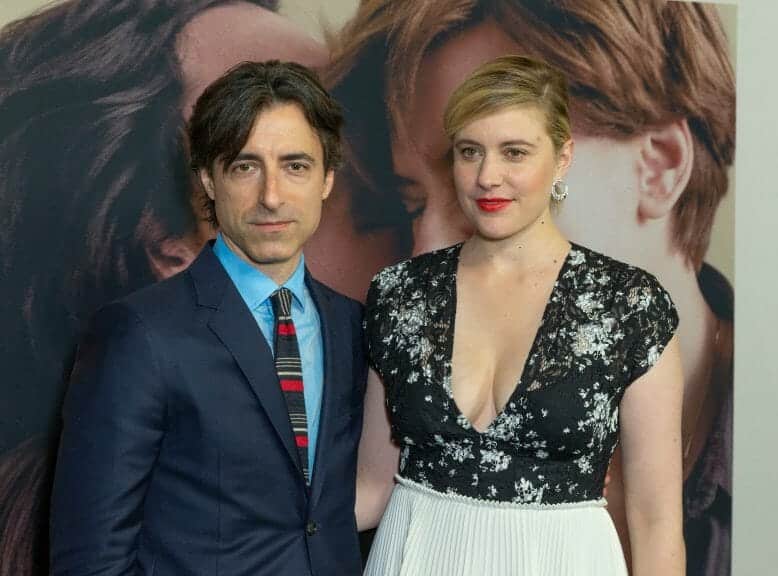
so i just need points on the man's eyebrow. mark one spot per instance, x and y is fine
(292, 156)
(246, 156)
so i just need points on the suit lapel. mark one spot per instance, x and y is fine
(332, 334)
(234, 325)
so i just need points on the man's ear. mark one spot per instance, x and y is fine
(329, 180)
(666, 158)
(206, 181)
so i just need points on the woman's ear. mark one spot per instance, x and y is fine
(564, 159)
(666, 158)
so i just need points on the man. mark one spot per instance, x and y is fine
(212, 419)
(114, 198)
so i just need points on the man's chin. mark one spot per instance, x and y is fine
(273, 257)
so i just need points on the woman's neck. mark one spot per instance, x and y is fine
(531, 248)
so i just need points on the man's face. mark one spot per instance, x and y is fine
(212, 42)
(268, 200)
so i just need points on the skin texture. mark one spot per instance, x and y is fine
(268, 201)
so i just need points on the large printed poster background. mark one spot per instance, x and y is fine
(96, 199)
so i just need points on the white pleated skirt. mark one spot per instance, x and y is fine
(425, 532)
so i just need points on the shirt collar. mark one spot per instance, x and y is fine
(254, 285)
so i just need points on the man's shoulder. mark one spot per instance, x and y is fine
(168, 302)
(165, 295)
(203, 281)
(333, 296)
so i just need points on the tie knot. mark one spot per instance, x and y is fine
(282, 302)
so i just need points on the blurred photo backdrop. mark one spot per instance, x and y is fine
(97, 199)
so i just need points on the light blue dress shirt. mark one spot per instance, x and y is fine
(255, 288)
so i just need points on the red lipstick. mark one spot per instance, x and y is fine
(492, 204)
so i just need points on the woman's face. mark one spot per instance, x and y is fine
(601, 209)
(504, 165)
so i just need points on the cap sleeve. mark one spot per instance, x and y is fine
(375, 325)
(652, 321)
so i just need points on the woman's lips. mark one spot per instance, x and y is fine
(493, 204)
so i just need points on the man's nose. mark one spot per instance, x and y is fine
(270, 191)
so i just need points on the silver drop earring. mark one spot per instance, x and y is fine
(559, 190)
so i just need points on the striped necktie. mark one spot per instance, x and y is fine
(290, 372)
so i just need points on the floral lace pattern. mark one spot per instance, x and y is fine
(605, 324)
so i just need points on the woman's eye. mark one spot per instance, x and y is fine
(515, 153)
(468, 152)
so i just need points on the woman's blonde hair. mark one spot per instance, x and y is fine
(511, 81)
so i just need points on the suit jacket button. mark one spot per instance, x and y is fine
(311, 528)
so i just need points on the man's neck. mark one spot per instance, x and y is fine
(278, 272)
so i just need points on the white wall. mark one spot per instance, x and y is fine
(756, 306)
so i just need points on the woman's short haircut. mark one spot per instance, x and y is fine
(507, 82)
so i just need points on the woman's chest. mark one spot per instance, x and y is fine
(569, 416)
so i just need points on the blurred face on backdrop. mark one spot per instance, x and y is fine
(603, 208)
(221, 37)
(504, 165)
(268, 200)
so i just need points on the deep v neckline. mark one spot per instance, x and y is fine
(519, 386)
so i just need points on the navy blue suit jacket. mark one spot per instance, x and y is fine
(177, 456)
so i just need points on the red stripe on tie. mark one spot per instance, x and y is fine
(286, 329)
(292, 385)
(302, 441)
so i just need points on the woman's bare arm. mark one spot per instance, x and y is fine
(652, 467)
(378, 457)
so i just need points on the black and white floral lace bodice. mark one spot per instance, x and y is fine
(605, 324)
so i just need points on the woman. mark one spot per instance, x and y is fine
(499, 473)
(652, 97)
